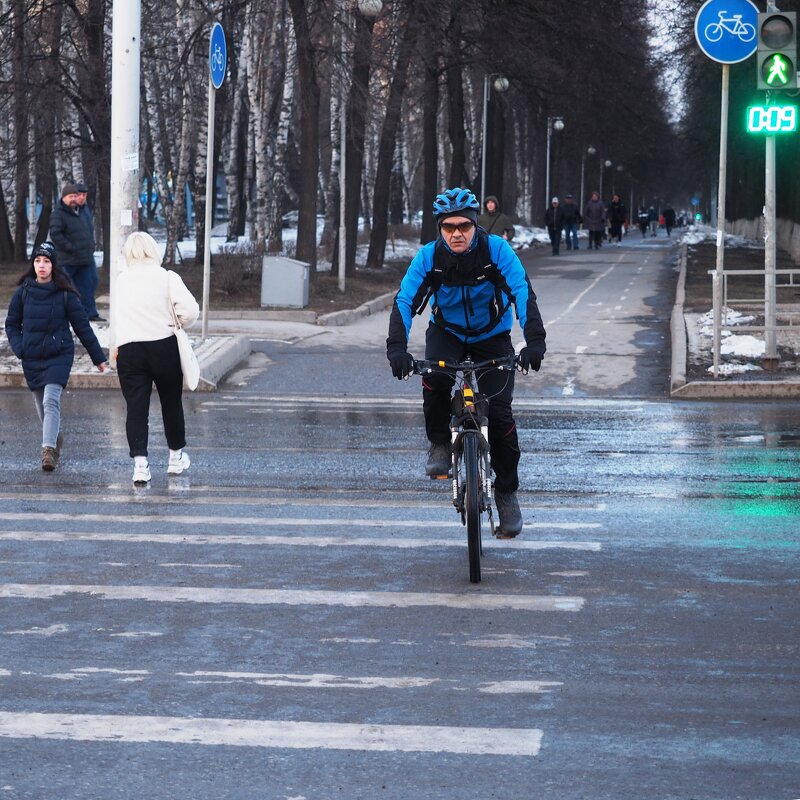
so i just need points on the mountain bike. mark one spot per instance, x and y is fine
(469, 445)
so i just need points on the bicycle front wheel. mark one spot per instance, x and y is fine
(714, 32)
(472, 505)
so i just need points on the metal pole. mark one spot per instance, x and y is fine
(212, 94)
(483, 136)
(718, 276)
(770, 230)
(583, 167)
(124, 197)
(547, 164)
(342, 182)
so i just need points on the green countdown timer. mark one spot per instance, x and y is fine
(772, 119)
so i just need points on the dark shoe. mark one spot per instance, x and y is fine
(49, 458)
(439, 460)
(509, 515)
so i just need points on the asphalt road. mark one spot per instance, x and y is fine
(293, 619)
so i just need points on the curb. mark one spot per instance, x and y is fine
(678, 330)
(336, 318)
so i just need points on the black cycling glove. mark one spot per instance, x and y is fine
(529, 359)
(402, 363)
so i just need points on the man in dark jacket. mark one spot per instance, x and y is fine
(492, 221)
(572, 218)
(554, 220)
(74, 241)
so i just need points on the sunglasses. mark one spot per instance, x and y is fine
(462, 227)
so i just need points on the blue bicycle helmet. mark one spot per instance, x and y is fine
(456, 202)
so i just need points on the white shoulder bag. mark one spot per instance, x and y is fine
(189, 364)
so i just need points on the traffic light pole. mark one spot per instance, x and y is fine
(770, 230)
(771, 349)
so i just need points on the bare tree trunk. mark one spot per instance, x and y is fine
(430, 160)
(21, 172)
(275, 213)
(356, 123)
(237, 150)
(386, 149)
(309, 136)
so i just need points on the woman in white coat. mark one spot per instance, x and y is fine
(146, 350)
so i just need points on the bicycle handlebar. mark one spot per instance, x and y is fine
(424, 366)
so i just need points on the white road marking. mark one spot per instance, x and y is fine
(271, 733)
(269, 522)
(295, 597)
(204, 495)
(51, 630)
(581, 348)
(569, 386)
(309, 541)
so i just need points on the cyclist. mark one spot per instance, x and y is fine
(470, 279)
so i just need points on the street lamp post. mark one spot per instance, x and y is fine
(590, 150)
(370, 9)
(500, 85)
(553, 123)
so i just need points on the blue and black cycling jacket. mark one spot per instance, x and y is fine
(470, 295)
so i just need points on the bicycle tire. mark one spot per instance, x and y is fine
(717, 35)
(472, 506)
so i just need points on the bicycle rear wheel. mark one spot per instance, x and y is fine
(472, 505)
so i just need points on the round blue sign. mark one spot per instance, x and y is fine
(217, 55)
(726, 30)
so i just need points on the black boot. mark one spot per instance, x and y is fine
(510, 517)
(439, 460)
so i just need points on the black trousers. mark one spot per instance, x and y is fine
(139, 366)
(497, 385)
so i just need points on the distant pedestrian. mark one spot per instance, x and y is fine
(669, 219)
(554, 220)
(492, 221)
(644, 220)
(146, 350)
(86, 213)
(652, 219)
(617, 216)
(74, 241)
(594, 219)
(40, 314)
(572, 219)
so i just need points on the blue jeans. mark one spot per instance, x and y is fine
(48, 408)
(83, 277)
(571, 230)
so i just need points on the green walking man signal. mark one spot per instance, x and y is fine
(776, 57)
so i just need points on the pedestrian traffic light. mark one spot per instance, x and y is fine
(776, 57)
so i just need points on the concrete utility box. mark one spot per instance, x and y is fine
(284, 282)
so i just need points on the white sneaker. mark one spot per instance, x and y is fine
(178, 462)
(141, 473)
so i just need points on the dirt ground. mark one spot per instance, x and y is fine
(745, 294)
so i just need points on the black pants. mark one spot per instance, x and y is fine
(555, 238)
(497, 385)
(139, 366)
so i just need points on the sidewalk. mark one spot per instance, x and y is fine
(740, 374)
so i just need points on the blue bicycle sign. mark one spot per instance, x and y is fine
(726, 30)
(217, 55)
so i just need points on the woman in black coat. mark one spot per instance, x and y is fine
(40, 314)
